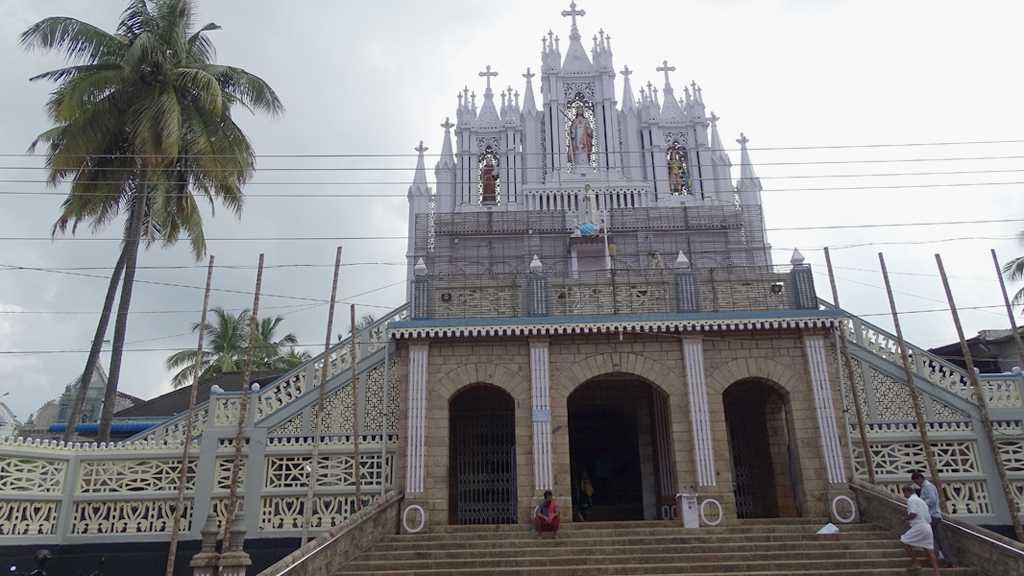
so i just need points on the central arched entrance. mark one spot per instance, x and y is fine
(619, 437)
(763, 461)
(482, 457)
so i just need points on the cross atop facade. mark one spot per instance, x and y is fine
(528, 75)
(572, 11)
(743, 140)
(421, 148)
(626, 72)
(713, 118)
(447, 124)
(488, 75)
(666, 69)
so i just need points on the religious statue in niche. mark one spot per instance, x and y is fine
(589, 222)
(580, 142)
(678, 170)
(489, 185)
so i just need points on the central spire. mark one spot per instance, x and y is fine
(573, 12)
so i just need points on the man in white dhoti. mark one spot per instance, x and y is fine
(920, 533)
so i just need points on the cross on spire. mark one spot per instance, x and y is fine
(572, 11)
(713, 118)
(488, 75)
(743, 140)
(626, 72)
(666, 69)
(447, 124)
(421, 148)
(528, 75)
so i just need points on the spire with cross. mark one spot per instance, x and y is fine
(666, 69)
(626, 72)
(421, 148)
(573, 12)
(447, 124)
(488, 75)
(529, 76)
(742, 140)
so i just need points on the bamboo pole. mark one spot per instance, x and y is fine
(355, 415)
(844, 347)
(318, 409)
(915, 395)
(243, 409)
(185, 454)
(1009, 309)
(1011, 502)
(384, 419)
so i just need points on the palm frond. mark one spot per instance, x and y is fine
(80, 42)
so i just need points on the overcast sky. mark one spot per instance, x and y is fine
(825, 90)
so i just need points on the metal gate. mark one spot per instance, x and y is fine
(485, 467)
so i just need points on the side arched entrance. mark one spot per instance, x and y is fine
(482, 457)
(763, 457)
(619, 440)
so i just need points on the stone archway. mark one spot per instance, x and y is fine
(761, 449)
(619, 437)
(482, 485)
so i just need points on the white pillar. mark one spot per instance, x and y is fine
(414, 455)
(693, 353)
(540, 384)
(815, 347)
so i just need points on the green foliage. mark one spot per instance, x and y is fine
(1014, 271)
(226, 342)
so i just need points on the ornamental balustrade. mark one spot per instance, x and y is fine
(55, 493)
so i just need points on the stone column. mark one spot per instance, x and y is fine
(704, 454)
(540, 385)
(825, 409)
(414, 455)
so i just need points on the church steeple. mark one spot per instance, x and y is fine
(444, 172)
(749, 185)
(628, 100)
(529, 104)
(419, 186)
(671, 112)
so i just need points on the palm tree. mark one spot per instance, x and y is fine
(227, 343)
(142, 123)
(1014, 271)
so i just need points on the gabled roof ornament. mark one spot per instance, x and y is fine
(420, 269)
(535, 265)
(797, 259)
(682, 261)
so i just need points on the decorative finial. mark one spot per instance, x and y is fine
(713, 118)
(447, 125)
(682, 261)
(421, 148)
(626, 72)
(488, 75)
(797, 258)
(528, 75)
(743, 140)
(420, 269)
(535, 266)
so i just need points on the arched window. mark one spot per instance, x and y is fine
(678, 170)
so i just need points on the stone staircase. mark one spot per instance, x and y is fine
(753, 547)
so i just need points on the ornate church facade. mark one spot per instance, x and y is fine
(592, 297)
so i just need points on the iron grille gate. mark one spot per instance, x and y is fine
(485, 468)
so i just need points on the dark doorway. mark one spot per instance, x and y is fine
(614, 440)
(482, 457)
(764, 476)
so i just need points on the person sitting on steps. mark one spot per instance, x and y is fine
(547, 517)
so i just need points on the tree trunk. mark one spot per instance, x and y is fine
(94, 352)
(131, 255)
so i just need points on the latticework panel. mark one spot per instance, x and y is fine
(286, 512)
(1012, 454)
(20, 518)
(966, 497)
(903, 458)
(226, 410)
(117, 476)
(858, 376)
(377, 410)
(292, 427)
(338, 414)
(131, 517)
(222, 480)
(283, 472)
(1017, 487)
(32, 475)
(944, 412)
(891, 397)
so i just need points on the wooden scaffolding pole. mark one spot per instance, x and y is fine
(355, 414)
(915, 396)
(844, 347)
(243, 410)
(186, 452)
(979, 394)
(318, 409)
